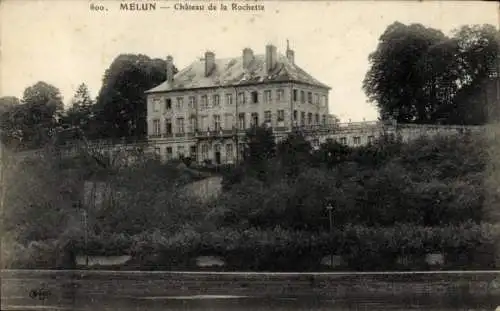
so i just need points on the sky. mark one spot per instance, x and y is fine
(64, 43)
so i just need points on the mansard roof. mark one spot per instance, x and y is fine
(230, 72)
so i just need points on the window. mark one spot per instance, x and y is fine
(323, 101)
(295, 115)
(241, 121)
(281, 115)
(168, 104)
(203, 123)
(217, 126)
(280, 95)
(168, 126)
(156, 105)
(267, 97)
(156, 127)
(316, 99)
(309, 97)
(255, 119)
(309, 118)
(168, 152)
(356, 140)
(255, 97)
(204, 152)
(228, 121)
(216, 100)
(343, 140)
(229, 99)
(267, 116)
(302, 118)
(229, 152)
(192, 153)
(241, 150)
(192, 124)
(371, 139)
(302, 97)
(180, 125)
(316, 118)
(295, 95)
(323, 117)
(180, 103)
(241, 98)
(180, 152)
(204, 102)
(192, 102)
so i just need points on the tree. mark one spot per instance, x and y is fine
(394, 80)
(8, 102)
(45, 103)
(32, 123)
(478, 62)
(121, 104)
(417, 72)
(294, 152)
(9, 125)
(332, 153)
(261, 147)
(80, 113)
(478, 48)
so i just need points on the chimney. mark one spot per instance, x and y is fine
(247, 57)
(209, 63)
(271, 57)
(290, 54)
(170, 69)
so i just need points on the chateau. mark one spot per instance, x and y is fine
(205, 109)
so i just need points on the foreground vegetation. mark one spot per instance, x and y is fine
(390, 201)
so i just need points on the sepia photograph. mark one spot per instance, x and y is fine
(249, 155)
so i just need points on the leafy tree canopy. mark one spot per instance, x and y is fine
(121, 103)
(30, 123)
(80, 113)
(417, 74)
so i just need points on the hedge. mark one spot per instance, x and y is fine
(363, 248)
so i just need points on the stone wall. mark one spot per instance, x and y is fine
(205, 189)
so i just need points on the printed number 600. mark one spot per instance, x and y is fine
(97, 7)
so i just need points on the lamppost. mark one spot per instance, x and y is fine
(329, 208)
(395, 117)
(86, 239)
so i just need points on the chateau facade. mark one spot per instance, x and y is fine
(204, 110)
